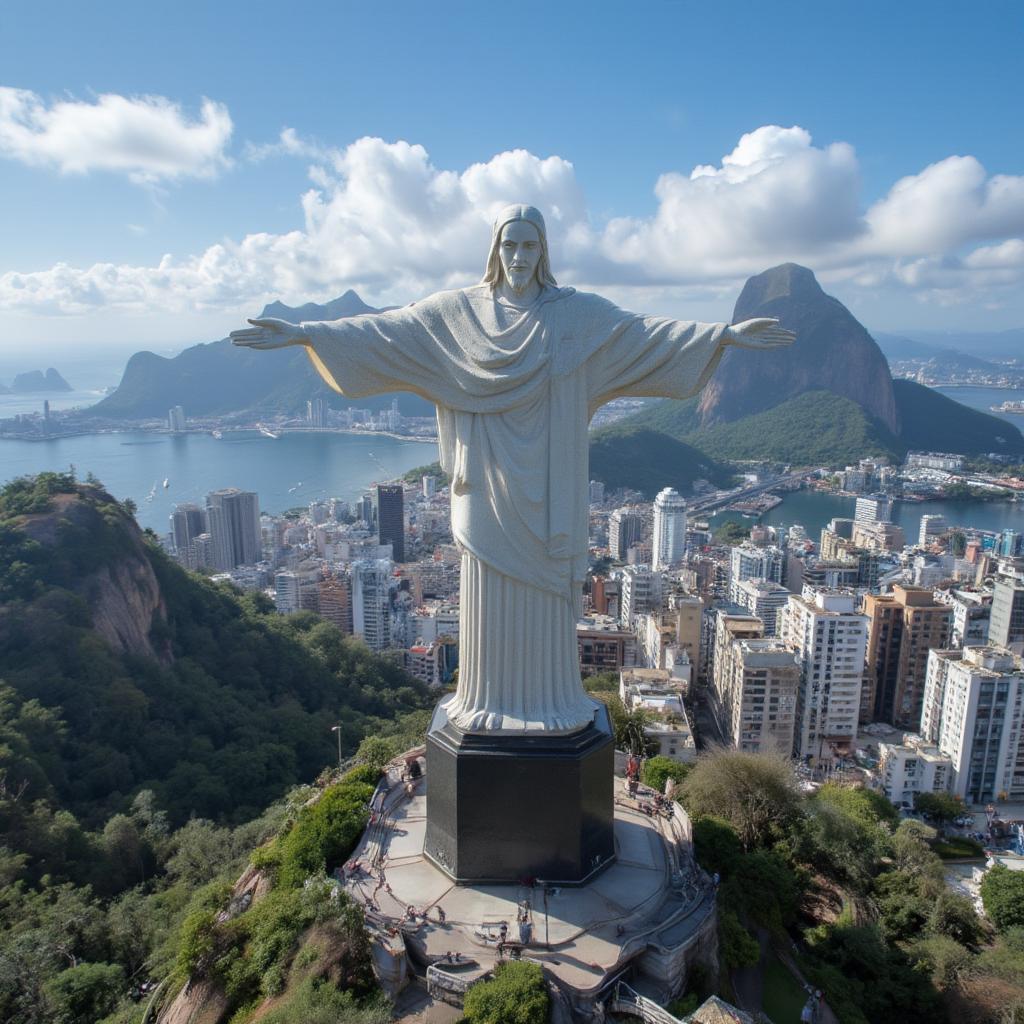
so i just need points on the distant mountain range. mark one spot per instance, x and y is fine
(36, 381)
(983, 346)
(220, 379)
(827, 399)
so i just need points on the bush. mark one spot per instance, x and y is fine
(517, 995)
(1002, 893)
(657, 770)
(326, 832)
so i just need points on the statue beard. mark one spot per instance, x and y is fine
(520, 282)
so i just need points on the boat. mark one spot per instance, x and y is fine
(167, 483)
(217, 434)
(266, 431)
(1017, 408)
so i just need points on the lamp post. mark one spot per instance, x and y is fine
(336, 729)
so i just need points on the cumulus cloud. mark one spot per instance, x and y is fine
(383, 219)
(149, 138)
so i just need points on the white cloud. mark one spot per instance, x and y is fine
(149, 138)
(383, 219)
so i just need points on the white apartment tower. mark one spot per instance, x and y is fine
(371, 602)
(749, 562)
(669, 542)
(972, 712)
(830, 638)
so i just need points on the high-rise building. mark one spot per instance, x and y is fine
(669, 542)
(371, 602)
(596, 492)
(188, 521)
(903, 627)
(316, 413)
(625, 529)
(758, 695)
(429, 483)
(763, 599)
(391, 518)
(874, 508)
(830, 638)
(749, 562)
(233, 519)
(336, 601)
(176, 419)
(1006, 625)
(931, 529)
(972, 713)
(641, 593)
(297, 589)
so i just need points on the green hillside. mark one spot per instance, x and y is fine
(218, 705)
(647, 461)
(819, 427)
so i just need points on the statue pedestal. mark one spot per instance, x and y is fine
(502, 808)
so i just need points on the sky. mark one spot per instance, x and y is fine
(167, 169)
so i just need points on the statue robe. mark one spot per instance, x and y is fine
(515, 391)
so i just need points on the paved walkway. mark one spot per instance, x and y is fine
(580, 934)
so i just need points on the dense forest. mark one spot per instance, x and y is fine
(137, 768)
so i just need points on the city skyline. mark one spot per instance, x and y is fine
(180, 192)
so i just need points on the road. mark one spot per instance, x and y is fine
(722, 498)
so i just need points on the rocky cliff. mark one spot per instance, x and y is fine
(122, 593)
(833, 352)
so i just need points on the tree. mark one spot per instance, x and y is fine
(84, 993)
(658, 770)
(1002, 894)
(953, 915)
(756, 793)
(517, 995)
(941, 807)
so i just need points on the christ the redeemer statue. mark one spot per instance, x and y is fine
(516, 366)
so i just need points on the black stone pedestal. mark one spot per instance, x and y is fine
(502, 808)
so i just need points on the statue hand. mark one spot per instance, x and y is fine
(760, 333)
(269, 333)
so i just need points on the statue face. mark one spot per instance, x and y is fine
(520, 252)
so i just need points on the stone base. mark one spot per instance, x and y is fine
(502, 808)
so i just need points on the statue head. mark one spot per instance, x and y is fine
(521, 223)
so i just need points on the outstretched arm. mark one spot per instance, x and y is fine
(659, 358)
(270, 332)
(759, 334)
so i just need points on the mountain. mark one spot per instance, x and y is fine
(220, 379)
(895, 346)
(348, 304)
(828, 399)
(647, 461)
(832, 352)
(984, 344)
(36, 380)
(160, 679)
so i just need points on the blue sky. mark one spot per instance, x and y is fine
(879, 144)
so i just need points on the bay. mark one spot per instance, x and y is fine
(292, 470)
(814, 509)
(984, 398)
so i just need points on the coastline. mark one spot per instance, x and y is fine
(208, 430)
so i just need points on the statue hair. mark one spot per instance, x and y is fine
(495, 272)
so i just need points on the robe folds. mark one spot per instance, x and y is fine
(515, 390)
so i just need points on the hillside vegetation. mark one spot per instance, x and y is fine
(138, 756)
(822, 428)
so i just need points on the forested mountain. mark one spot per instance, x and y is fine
(828, 399)
(148, 720)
